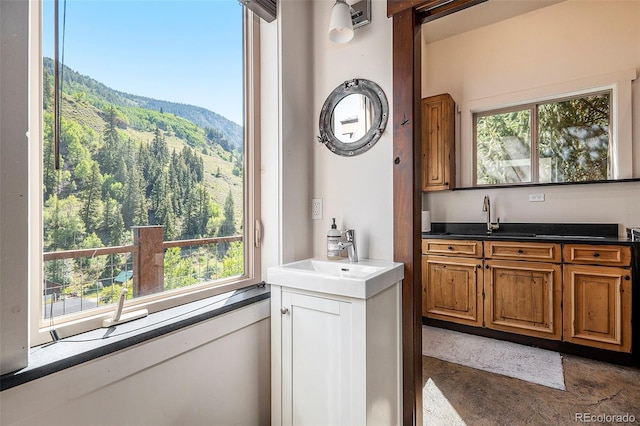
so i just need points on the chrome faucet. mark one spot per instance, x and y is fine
(486, 207)
(350, 245)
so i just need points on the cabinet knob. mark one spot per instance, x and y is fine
(627, 277)
(520, 251)
(479, 266)
(284, 311)
(596, 254)
(449, 248)
(486, 266)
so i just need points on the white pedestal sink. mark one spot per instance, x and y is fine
(362, 279)
(336, 342)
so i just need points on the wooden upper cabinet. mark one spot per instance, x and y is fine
(438, 143)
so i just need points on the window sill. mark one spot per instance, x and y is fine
(68, 352)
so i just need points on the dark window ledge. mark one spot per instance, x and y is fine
(68, 352)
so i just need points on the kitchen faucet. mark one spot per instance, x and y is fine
(486, 207)
(350, 245)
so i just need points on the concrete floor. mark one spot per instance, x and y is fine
(458, 395)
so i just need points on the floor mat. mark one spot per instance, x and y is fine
(534, 365)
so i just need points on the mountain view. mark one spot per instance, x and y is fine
(127, 160)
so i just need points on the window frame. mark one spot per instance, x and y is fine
(534, 135)
(619, 82)
(39, 328)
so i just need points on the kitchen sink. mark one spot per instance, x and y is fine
(517, 235)
(511, 235)
(569, 237)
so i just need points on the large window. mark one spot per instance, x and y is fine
(146, 190)
(565, 140)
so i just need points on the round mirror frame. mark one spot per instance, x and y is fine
(380, 114)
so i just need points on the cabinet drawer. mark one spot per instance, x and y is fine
(597, 255)
(452, 247)
(541, 252)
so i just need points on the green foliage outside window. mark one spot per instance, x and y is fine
(124, 165)
(568, 142)
(504, 148)
(574, 139)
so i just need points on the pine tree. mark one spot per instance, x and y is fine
(159, 148)
(228, 226)
(113, 224)
(91, 197)
(111, 150)
(134, 211)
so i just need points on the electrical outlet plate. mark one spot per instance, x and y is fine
(536, 197)
(316, 208)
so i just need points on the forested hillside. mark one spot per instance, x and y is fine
(127, 160)
(218, 129)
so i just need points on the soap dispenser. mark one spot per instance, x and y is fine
(333, 241)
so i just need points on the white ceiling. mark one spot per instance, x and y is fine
(480, 15)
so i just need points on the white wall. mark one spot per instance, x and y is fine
(357, 191)
(213, 373)
(296, 137)
(14, 192)
(550, 46)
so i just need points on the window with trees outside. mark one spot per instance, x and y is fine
(564, 140)
(145, 180)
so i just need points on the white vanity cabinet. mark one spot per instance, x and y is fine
(336, 359)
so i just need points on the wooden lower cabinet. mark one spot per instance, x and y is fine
(452, 289)
(597, 307)
(524, 298)
(576, 293)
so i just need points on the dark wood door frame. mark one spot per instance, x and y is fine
(407, 203)
(407, 16)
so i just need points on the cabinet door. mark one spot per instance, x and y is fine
(597, 307)
(452, 289)
(316, 360)
(523, 298)
(438, 139)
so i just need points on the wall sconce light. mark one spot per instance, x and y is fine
(346, 16)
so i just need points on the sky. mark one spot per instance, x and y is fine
(186, 51)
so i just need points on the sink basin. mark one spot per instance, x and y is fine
(570, 237)
(342, 269)
(511, 235)
(361, 280)
(516, 235)
(492, 235)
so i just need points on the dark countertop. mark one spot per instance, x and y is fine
(542, 232)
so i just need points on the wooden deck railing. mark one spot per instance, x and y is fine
(148, 255)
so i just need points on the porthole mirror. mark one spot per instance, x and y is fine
(353, 117)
